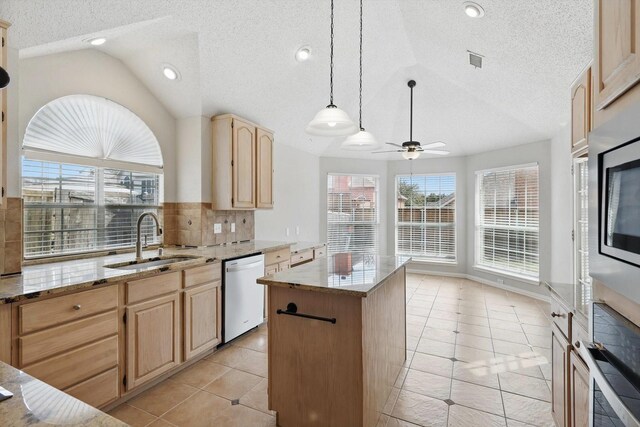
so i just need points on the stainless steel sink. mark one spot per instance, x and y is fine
(148, 263)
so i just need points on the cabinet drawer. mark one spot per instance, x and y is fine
(560, 316)
(320, 252)
(578, 332)
(77, 365)
(50, 312)
(97, 391)
(275, 257)
(40, 345)
(301, 257)
(150, 287)
(199, 275)
(284, 265)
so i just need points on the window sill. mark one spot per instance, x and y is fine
(429, 261)
(519, 277)
(86, 255)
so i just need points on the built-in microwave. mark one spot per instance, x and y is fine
(619, 230)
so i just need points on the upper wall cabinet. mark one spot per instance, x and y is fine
(242, 164)
(581, 111)
(617, 66)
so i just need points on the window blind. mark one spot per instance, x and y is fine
(72, 208)
(352, 213)
(581, 228)
(507, 220)
(426, 217)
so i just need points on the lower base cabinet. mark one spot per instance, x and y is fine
(579, 395)
(559, 383)
(201, 319)
(153, 338)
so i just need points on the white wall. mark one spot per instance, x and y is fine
(562, 199)
(356, 166)
(193, 160)
(296, 199)
(89, 71)
(457, 165)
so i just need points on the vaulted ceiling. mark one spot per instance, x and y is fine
(238, 56)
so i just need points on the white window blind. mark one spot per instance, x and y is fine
(352, 213)
(426, 217)
(581, 230)
(507, 220)
(72, 208)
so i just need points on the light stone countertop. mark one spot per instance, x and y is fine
(348, 273)
(35, 403)
(305, 246)
(56, 277)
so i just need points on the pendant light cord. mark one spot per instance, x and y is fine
(411, 118)
(331, 62)
(361, 128)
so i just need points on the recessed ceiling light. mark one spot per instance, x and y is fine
(98, 41)
(303, 54)
(473, 10)
(170, 72)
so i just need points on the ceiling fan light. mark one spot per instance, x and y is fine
(331, 121)
(362, 140)
(411, 155)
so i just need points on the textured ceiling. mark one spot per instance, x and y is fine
(238, 56)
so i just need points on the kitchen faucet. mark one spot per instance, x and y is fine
(138, 243)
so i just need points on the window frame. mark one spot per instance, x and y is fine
(98, 208)
(376, 224)
(455, 222)
(478, 245)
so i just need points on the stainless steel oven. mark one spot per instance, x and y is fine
(614, 369)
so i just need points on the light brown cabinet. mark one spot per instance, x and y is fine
(579, 395)
(71, 342)
(559, 380)
(153, 338)
(3, 104)
(264, 168)
(202, 321)
(581, 111)
(617, 65)
(242, 164)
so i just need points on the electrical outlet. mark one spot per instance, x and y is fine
(287, 231)
(217, 228)
(500, 281)
(233, 227)
(297, 230)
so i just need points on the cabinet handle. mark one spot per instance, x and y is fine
(554, 314)
(77, 307)
(278, 256)
(577, 344)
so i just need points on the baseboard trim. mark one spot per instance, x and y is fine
(526, 293)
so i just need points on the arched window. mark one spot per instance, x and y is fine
(90, 167)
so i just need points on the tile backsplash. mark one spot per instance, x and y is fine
(192, 224)
(11, 236)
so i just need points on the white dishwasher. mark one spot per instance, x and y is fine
(243, 297)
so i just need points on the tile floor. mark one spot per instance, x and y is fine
(476, 356)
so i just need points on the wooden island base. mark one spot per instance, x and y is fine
(335, 374)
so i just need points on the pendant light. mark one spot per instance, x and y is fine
(362, 140)
(4, 78)
(331, 121)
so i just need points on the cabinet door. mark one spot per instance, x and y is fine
(559, 363)
(617, 66)
(153, 338)
(579, 391)
(581, 110)
(243, 164)
(264, 172)
(3, 128)
(202, 309)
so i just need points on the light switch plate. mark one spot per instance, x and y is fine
(217, 228)
(297, 230)
(233, 227)
(287, 231)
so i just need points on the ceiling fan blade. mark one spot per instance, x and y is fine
(439, 152)
(387, 151)
(437, 144)
(395, 145)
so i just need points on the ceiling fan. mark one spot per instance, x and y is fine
(411, 149)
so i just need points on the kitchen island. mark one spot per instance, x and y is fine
(337, 339)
